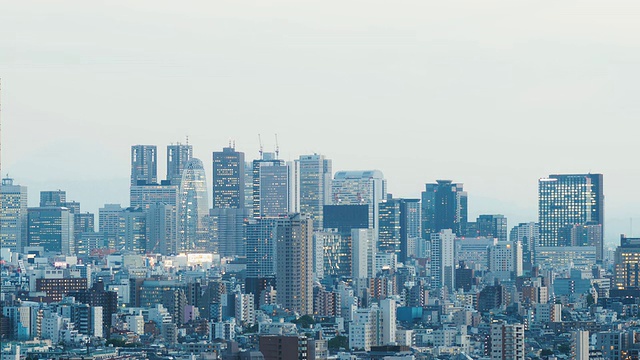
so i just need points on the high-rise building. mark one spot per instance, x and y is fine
(294, 262)
(53, 198)
(587, 235)
(83, 223)
(505, 260)
(144, 164)
(312, 186)
(270, 186)
(494, 226)
(507, 341)
(177, 157)
(108, 223)
(363, 253)
(528, 235)
(145, 195)
(360, 188)
(228, 178)
(389, 226)
(580, 345)
(51, 228)
(193, 208)
(627, 263)
(261, 255)
(132, 230)
(227, 230)
(443, 260)
(13, 215)
(444, 206)
(410, 227)
(161, 228)
(342, 219)
(568, 200)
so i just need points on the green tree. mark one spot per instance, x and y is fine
(339, 342)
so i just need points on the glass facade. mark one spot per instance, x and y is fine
(228, 179)
(193, 208)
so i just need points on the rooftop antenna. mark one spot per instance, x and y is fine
(187, 140)
(277, 147)
(230, 143)
(261, 149)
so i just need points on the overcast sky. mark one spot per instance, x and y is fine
(493, 94)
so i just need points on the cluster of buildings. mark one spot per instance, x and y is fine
(283, 259)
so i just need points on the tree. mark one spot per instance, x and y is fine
(305, 321)
(339, 342)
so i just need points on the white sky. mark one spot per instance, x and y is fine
(494, 94)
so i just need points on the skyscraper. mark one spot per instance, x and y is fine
(313, 186)
(528, 234)
(261, 255)
(294, 262)
(343, 219)
(443, 260)
(270, 186)
(13, 215)
(144, 165)
(51, 228)
(177, 157)
(132, 230)
(568, 200)
(228, 178)
(53, 198)
(494, 226)
(627, 263)
(444, 206)
(108, 223)
(193, 207)
(360, 188)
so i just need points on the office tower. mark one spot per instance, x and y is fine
(145, 195)
(627, 263)
(294, 276)
(228, 178)
(507, 341)
(505, 260)
(366, 329)
(360, 188)
(528, 234)
(342, 219)
(177, 157)
(261, 255)
(248, 185)
(83, 223)
(587, 235)
(389, 226)
(51, 228)
(442, 260)
(227, 230)
(410, 227)
(444, 206)
(108, 223)
(53, 198)
(161, 228)
(494, 226)
(312, 186)
(13, 215)
(580, 345)
(193, 208)
(72, 205)
(144, 165)
(132, 230)
(567, 200)
(363, 253)
(270, 186)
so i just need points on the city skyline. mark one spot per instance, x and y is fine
(435, 84)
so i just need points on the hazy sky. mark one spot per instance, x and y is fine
(493, 94)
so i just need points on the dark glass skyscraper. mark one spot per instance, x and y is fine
(444, 206)
(53, 198)
(568, 200)
(144, 165)
(270, 186)
(177, 157)
(228, 179)
(492, 226)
